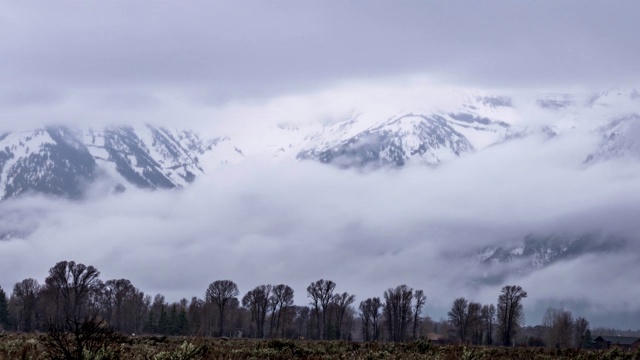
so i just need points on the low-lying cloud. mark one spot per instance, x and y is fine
(296, 222)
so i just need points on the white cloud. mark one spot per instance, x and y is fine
(297, 222)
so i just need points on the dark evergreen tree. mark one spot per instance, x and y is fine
(4, 310)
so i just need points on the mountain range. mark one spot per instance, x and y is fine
(63, 161)
(66, 161)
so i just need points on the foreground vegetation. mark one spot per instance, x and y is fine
(30, 346)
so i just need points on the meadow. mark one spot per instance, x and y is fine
(35, 347)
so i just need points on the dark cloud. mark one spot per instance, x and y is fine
(251, 48)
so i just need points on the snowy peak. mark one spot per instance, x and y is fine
(50, 161)
(556, 101)
(410, 138)
(537, 252)
(59, 161)
(616, 97)
(619, 139)
(148, 156)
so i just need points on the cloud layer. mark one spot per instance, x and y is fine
(294, 223)
(131, 62)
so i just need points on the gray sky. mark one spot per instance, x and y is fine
(65, 61)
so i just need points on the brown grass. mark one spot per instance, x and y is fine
(32, 346)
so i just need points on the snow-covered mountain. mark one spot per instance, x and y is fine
(619, 139)
(410, 138)
(424, 137)
(496, 263)
(62, 161)
(535, 252)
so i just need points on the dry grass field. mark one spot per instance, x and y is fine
(15, 346)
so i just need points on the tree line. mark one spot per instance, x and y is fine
(73, 294)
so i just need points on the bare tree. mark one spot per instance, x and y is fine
(342, 302)
(321, 293)
(273, 310)
(301, 321)
(581, 326)
(220, 292)
(121, 296)
(420, 300)
(257, 301)
(70, 287)
(560, 326)
(370, 317)
(196, 317)
(458, 317)
(397, 311)
(25, 300)
(510, 312)
(474, 316)
(283, 298)
(488, 313)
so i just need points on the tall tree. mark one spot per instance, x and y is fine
(510, 312)
(196, 317)
(283, 298)
(257, 302)
(70, 287)
(420, 300)
(560, 326)
(474, 319)
(321, 293)
(301, 322)
(4, 310)
(458, 317)
(122, 298)
(488, 317)
(220, 292)
(342, 302)
(25, 300)
(581, 326)
(370, 317)
(397, 311)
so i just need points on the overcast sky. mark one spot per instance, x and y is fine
(167, 61)
(216, 64)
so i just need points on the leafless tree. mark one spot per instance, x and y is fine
(581, 326)
(301, 321)
(341, 302)
(70, 287)
(25, 300)
(420, 300)
(196, 317)
(397, 311)
(510, 312)
(220, 292)
(370, 317)
(459, 319)
(321, 293)
(257, 302)
(283, 298)
(123, 299)
(560, 326)
(474, 319)
(488, 313)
